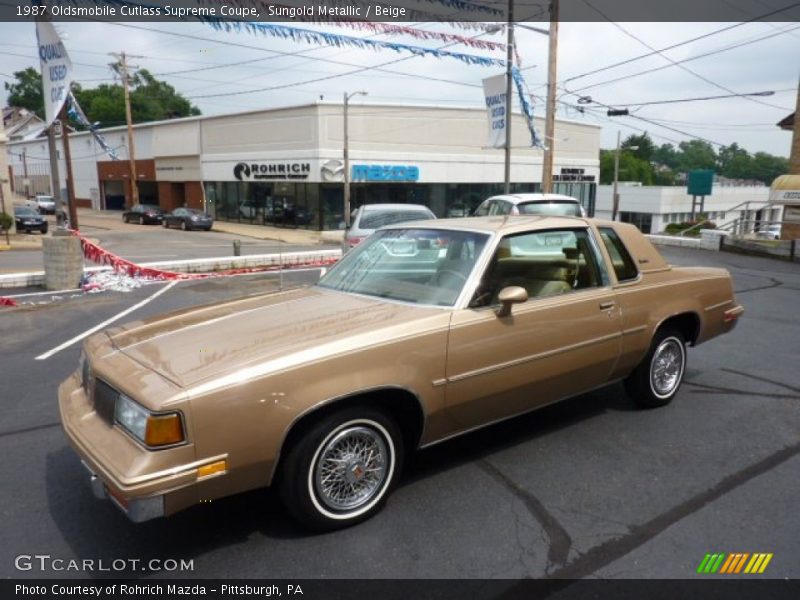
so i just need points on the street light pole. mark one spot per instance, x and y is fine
(347, 158)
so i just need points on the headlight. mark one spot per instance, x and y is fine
(194, 217)
(150, 429)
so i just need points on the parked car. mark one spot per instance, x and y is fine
(46, 205)
(324, 391)
(188, 218)
(770, 232)
(531, 204)
(144, 214)
(27, 220)
(369, 217)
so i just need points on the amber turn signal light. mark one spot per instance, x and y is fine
(215, 468)
(163, 430)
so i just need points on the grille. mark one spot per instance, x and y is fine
(105, 398)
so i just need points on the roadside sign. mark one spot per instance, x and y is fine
(700, 182)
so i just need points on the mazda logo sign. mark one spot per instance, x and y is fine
(332, 170)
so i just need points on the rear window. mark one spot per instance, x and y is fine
(620, 258)
(379, 218)
(554, 208)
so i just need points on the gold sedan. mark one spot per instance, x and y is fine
(423, 332)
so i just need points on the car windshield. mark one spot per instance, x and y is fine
(374, 219)
(423, 266)
(24, 211)
(554, 208)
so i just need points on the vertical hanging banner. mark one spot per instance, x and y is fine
(494, 89)
(56, 69)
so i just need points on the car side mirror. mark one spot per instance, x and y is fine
(512, 294)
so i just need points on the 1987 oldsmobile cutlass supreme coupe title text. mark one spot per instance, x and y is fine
(423, 332)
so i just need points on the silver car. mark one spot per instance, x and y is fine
(530, 204)
(370, 217)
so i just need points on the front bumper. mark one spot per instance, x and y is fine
(144, 484)
(137, 510)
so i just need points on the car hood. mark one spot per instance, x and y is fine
(263, 333)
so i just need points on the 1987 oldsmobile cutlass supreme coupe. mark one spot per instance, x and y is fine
(423, 332)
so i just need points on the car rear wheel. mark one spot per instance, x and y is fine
(183, 226)
(657, 378)
(342, 468)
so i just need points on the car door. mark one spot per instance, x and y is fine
(563, 341)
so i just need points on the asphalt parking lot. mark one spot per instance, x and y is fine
(149, 243)
(590, 487)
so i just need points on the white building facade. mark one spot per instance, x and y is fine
(284, 165)
(652, 208)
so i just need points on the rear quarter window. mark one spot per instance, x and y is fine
(621, 260)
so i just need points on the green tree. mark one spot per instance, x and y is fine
(696, 154)
(666, 155)
(631, 168)
(645, 148)
(26, 91)
(151, 99)
(734, 162)
(766, 167)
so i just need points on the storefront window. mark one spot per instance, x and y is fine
(321, 205)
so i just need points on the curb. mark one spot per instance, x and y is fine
(195, 265)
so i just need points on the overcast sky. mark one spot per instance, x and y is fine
(768, 64)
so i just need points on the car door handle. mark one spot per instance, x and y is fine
(607, 305)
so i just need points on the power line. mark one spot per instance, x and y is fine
(640, 118)
(698, 99)
(677, 63)
(683, 43)
(691, 58)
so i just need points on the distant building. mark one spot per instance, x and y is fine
(652, 208)
(21, 124)
(284, 165)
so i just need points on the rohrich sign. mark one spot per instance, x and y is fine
(271, 170)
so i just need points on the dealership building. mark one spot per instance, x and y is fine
(284, 165)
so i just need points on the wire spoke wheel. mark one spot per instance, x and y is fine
(666, 367)
(351, 468)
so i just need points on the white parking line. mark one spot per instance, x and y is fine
(105, 323)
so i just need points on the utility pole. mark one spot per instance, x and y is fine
(55, 180)
(794, 157)
(550, 116)
(509, 97)
(73, 209)
(614, 193)
(346, 152)
(121, 68)
(25, 173)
